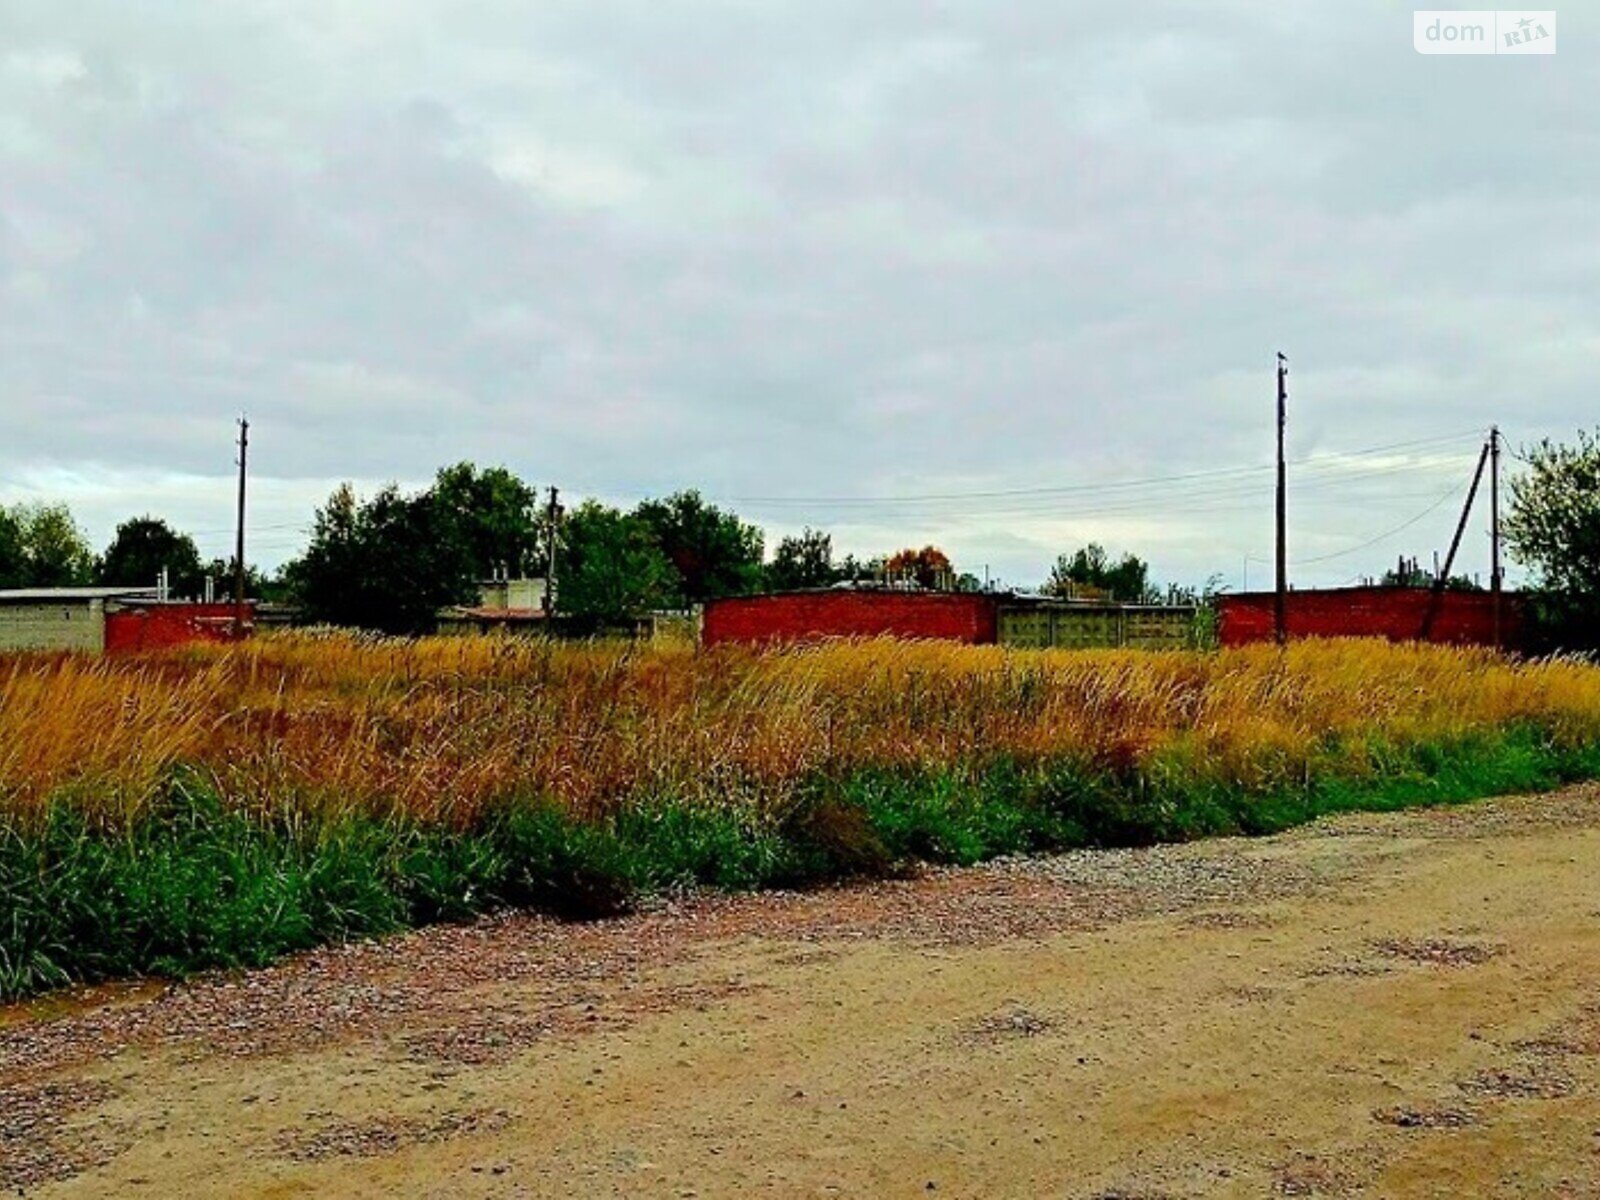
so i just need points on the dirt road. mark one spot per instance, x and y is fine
(1387, 1006)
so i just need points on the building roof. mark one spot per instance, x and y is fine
(69, 594)
(480, 612)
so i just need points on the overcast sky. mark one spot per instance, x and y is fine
(803, 257)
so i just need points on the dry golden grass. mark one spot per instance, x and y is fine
(438, 728)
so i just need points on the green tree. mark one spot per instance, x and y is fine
(390, 563)
(415, 562)
(611, 567)
(142, 547)
(13, 552)
(802, 561)
(1553, 528)
(493, 517)
(714, 552)
(1554, 523)
(54, 550)
(1091, 570)
(325, 580)
(387, 564)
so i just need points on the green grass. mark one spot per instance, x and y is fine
(197, 885)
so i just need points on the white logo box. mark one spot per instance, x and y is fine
(1484, 31)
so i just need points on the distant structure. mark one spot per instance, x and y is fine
(1400, 614)
(976, 618)
(111, 620)
(513, 594)
(518, 607)
(504, 605)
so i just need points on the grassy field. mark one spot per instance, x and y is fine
(223, 806)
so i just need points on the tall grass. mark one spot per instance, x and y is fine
(221, 805)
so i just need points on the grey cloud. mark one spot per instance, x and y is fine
(829, 250)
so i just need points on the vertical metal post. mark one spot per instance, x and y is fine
(1280, 603)
(1494, 528)
(552, 516)
(238, 544)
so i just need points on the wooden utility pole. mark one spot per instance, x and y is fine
(1280, 601)
(1494, 528)
(238, 542)
(552, 518)
(1442, 576)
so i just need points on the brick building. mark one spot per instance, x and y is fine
(977, 618)
(96, 620)
(1400, 614)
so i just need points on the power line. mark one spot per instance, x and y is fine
(1202, 491)
(1332, 459)
(1190, 499)
(1451, 494)
(299, 526)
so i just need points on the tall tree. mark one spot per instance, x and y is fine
(389, 564)
(611, 567)
(802, 561)
(415, 564)
(1553, 527)
(1090, 570)
(494, 517)
(144, 546)
(714, 552)
(54, 550)
(13, 552)
(326, 580)
(1554, 522)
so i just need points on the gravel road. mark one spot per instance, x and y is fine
(1397, 1005)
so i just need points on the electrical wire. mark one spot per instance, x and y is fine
(1322, 558)
(1190, 499)
(1332, 459)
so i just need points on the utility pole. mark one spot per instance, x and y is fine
(1494, 528)
(552, 518)
(1442, 576)
(1280, 601)
(238, 543)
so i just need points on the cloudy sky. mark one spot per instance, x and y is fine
(1002, 277)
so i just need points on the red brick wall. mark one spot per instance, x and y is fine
(800, 616)
(157, 626)
(1462, 618)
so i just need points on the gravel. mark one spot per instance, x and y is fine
(366, 1139)
(425, 992)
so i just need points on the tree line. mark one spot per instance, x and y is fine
(391, 561)
(42, 545)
